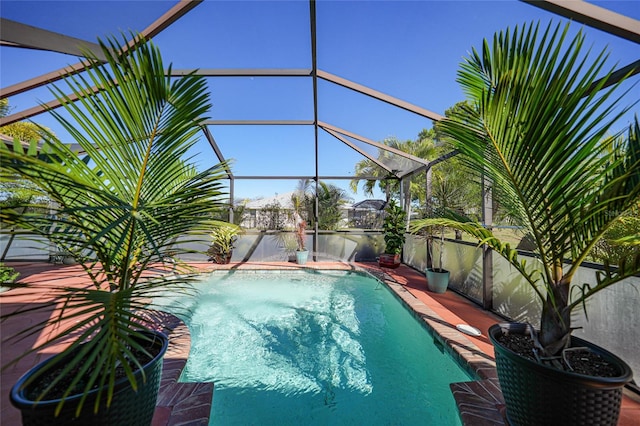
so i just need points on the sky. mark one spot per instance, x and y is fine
(407, 49)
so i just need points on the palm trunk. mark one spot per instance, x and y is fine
(555, 322)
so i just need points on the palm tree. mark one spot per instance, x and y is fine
(422, 147)
(302, 202)
(537, 130)
(454, 187)
(121, 208)
(330, 199)
(299, 199)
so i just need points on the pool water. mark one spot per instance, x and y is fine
(311, 348)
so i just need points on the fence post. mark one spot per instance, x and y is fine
(487, 253)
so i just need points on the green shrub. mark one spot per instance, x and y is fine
(7, 274)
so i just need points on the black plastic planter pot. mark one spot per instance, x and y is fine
(536, 394)
(128, 407)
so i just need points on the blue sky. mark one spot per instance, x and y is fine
(410, 50)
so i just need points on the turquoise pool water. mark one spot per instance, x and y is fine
(330, 348)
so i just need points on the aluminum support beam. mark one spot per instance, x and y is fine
(17, 34)
(30, 112)
(272, 177)
(428, 167)
(243, 72)
(216, 149)
(172, 15)
(358, 150)
(630, 70)
(403, 154)
(487, 253)
(314, 76)
(593, 16)
(258, 122)
(379, 95)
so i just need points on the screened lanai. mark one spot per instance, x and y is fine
(304, 91)
(300, 90)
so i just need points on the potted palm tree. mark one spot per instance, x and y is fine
(394, 227)
(288, 241)
(538, 130)
(223, 238)
(118, 211)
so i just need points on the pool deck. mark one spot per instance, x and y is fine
(479, 402)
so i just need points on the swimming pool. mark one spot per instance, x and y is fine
(311, 348)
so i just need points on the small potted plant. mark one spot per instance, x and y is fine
(8, 275)
(223, 238)
(288, 241)
(119, 211)
(538, 130)
(394, 227)
(302, 253)
(297, 200)
(61, 255)
(437, 277)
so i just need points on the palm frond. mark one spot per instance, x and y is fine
(538, 128)
(122, 208)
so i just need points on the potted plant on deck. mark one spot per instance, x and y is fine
(297, 200)
(302, 254)
(538, 130)
(437, 277)
(394, 227)
(223, 238)
(288, 242)
(119, 211)
(7, 274)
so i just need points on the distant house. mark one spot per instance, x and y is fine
(273, 213)
(367, 214)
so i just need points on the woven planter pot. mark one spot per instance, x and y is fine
(128, 407)
(536, 394)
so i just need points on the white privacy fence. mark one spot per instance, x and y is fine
(613, 317)
(254, 245)
(612, 320)
(20, 246)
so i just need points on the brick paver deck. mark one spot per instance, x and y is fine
(479, 402)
